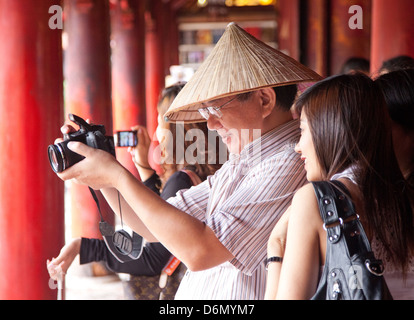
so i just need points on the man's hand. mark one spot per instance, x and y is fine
(98, 170)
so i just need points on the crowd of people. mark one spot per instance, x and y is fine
(250, 228)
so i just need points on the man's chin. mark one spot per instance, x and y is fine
(233, 147)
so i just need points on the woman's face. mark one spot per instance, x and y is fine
(161, 130)
(307, 151)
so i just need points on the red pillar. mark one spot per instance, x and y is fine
(128, 70)
(88, 91)
(316, 35)
(392, 31)
(170, 37)
(155, 78)
(344, 41)
(31, 105)
(289, 28)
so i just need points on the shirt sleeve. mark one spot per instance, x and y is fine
(194, 201)
(244, 221)
(250, 205)
(152, 260)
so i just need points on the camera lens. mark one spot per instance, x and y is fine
(56, 158)
(61, 157)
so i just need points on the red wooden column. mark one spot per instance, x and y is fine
(392, 31)
(289, 28)
(128, 70)
(88, 91)
(155, 50)
(316, 33)
(170, 36)
(345, 42)
(155, 77)
(31, 105)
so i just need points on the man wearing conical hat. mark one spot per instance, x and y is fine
(220, 228)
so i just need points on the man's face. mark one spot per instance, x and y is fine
(240, 119)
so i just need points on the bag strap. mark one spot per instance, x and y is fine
(334, 206)
(341, 221)
(338, 211)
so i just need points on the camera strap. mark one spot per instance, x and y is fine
(120, 243)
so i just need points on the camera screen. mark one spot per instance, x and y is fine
(126, 139)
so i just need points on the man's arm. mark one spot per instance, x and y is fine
(189, 239)
(128, 214)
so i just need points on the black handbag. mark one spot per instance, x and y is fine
(351, 271)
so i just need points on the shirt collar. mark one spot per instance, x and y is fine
(269, 143)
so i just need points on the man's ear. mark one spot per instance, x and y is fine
(268, 100)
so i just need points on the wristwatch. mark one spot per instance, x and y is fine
(272, 259)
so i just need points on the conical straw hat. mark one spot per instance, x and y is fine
(238, 63)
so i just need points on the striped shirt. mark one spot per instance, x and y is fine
(241, 203)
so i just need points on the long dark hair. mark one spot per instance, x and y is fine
(398, 90)
(349, 124)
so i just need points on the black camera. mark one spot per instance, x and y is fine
(61, 157)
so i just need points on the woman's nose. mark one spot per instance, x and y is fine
(297, 148)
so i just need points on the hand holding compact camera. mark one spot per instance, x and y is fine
(126, 139)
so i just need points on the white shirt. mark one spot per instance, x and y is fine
(241, 203)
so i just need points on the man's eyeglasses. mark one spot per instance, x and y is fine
(215, 111)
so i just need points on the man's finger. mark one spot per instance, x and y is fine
(67, 129)
(80, 148)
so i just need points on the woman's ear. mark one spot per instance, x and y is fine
(268, 100)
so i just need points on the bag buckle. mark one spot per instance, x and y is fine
(375, 267)
(340, 222)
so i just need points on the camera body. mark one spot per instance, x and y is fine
(61, 157)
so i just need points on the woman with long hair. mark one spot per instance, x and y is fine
(345, 136)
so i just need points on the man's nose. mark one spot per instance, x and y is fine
(213, 123)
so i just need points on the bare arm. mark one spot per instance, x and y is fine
(128, 214)
(140, 153)
(297, 276)
(276, 248)
(186, 237)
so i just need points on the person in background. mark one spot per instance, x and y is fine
(401, 62)
(398, 90)
(345, 136)
(176, 175)
(356, 64)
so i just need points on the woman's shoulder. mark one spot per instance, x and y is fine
(306, 192)
(304, 202)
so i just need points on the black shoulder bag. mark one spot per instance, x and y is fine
(351, 271)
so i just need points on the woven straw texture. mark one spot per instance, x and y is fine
(238, 63)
